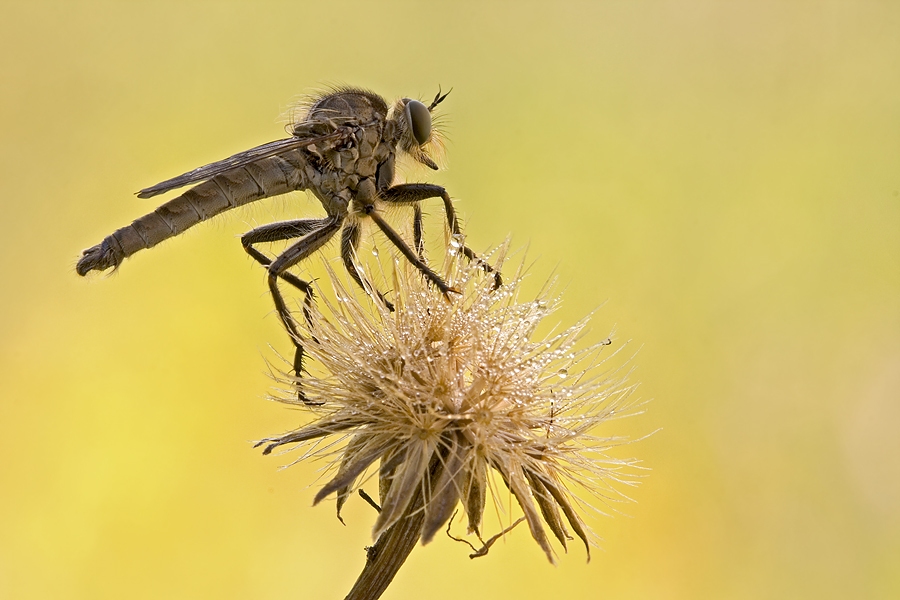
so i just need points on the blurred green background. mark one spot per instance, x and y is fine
(724, 175)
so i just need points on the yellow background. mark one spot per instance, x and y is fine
(725, 175)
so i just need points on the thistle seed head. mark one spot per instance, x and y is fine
(441, 394)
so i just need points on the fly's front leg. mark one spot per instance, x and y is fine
(415, 192)
(395, 239)
(349, 244)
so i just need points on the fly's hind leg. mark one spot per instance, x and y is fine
(315, 233)
(349, 244)
(406, 193)
(275, 232)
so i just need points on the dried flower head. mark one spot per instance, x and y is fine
(440, 394)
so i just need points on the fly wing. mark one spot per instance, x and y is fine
(238, 160)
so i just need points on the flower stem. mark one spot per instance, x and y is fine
(389, 553)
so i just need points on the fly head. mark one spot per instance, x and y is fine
(417, 135)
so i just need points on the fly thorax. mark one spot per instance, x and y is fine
(370, 139)
(348, 104)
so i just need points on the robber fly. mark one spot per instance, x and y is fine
(342, 150)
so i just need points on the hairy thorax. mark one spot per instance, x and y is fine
(347, 174)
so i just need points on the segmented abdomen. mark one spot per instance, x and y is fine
(266, 177)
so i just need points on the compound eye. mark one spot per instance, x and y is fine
(419, 119)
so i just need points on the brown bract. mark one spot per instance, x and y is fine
(437, 395)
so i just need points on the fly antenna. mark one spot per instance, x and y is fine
(438, 98)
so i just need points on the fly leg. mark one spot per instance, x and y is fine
(414, 192)
(315, 232)
(275, 232)
(417, 231)
(395, 239)
(349, 244)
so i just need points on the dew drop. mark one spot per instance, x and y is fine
(563, 373)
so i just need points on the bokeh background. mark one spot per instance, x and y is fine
(724, 177)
